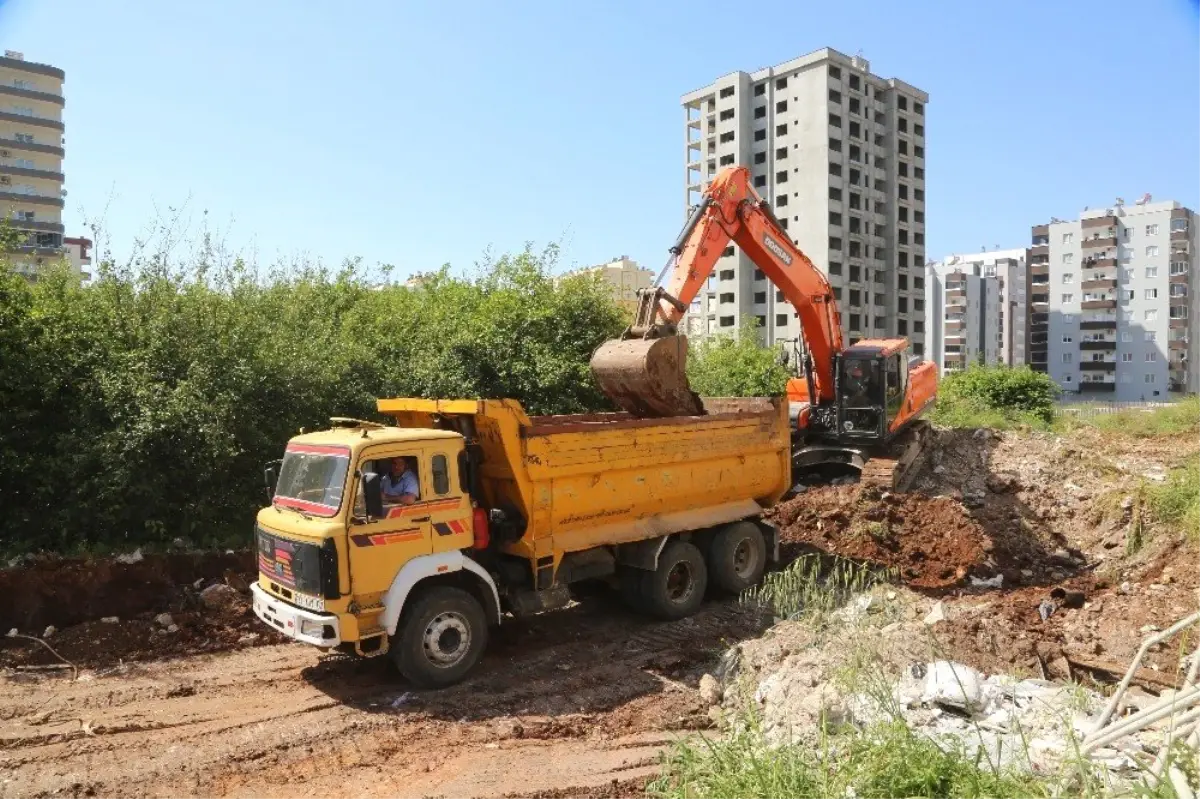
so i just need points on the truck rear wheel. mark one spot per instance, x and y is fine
(441, 638)
(676, 588)
(737, 557)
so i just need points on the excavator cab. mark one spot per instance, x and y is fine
(872, 382)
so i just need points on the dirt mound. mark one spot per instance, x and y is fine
(930, 541)
(66, 591)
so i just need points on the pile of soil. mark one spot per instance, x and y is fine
(63, 591)
(100, 612)
(930, 541)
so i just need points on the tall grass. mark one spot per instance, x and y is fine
(1179, 418)
(815, 585)
(1176, 502)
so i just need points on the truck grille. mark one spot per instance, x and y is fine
(298, 565)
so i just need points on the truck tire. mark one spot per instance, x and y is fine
(737, 557)
(441, 637)
(676, 588)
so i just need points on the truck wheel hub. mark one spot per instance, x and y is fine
(447, 638)
(743, 558)
(679, 582)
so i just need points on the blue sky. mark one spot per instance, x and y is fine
(419, 133)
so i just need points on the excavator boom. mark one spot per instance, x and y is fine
(644, 371)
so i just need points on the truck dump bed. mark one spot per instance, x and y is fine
(589, 480)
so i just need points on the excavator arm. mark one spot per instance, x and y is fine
(644, 370)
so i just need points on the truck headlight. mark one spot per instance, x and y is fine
(316, 627)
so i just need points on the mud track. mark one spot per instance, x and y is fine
(576, 702)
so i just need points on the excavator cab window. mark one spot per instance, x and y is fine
(862, 386)
(896, 374)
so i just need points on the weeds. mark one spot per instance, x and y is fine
(815, 585)
(1176, 502)
(1174, 419)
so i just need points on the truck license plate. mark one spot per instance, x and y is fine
(308, 602)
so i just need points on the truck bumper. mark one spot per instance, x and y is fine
(318, 629)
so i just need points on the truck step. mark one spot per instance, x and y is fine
(371, 642)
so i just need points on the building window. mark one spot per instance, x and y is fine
(781, 106)
(835, 73)
(835, 120)
(760, 296)
(727, 137)
(835, 218)
(726, 160)
(1068, 357)
(726, 298)
(760, 112)
(781, 200)
(1068, 298)
(781, 320)
(1151, 315)
(1126, 295)
(1151, 294)
(727, 321)
(835, 243)
(781, 83)
(1068, 318)
(919, 151)
(760, 158)
(727, 91)
(1127, 357)
(1127, 337)
(1067, 238)
(1151, 230)
(835, 268)
(760, 181)
(760, 89)
(781, 177)
(1068, 277)
(781, 130)
(1151, 357)
(781, 153)
(1151, 271)
(835, 193)
(1179, 267)
(1067, 339)
(855, 83)
(1149, 378)
(1152, 251)
(760, 135)
(726, 114)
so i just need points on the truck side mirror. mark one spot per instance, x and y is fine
(271, 479)
(372, 492)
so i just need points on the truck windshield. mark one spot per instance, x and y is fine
(312, 478)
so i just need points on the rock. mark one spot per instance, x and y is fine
(178, 543)
(824, 703)
(953, 684)
(218, 596)
(991, 582)
(1149, 628)
(198, 583)
(1002, 483)
(132, 557)
(982, 434)
(111, 619)
(1125, 587)
(936, 615)
(173, 628)
(939, 469)
(164, 619)
(710, 690)
(13, 633)
(1127, 503)
(49, 631)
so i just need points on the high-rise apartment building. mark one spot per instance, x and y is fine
(839, 153)
(31, 153)
(1113, 301)
(975, 309)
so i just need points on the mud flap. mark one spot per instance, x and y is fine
(642, 554)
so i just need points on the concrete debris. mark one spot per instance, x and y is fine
(13, 633)
(710, 690)
(1046, 609)
(111, 619)
(49, 631)
(953, 684)
(990, 582)
(936, 615)
(132, 557)
(218, 596)
(172, 628)
(164, 619)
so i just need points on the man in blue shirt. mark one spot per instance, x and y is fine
(401, 485)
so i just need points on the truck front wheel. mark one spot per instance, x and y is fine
(737, 557)
(676, 588)
(441, 638)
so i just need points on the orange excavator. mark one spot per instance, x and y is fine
(855, 406)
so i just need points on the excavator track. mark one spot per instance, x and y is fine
(895, 466)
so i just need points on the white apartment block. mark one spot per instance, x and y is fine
(1113, 301)
(840, 154)
(975, 307)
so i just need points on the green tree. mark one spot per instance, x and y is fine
(1000, 388)
(727, 365)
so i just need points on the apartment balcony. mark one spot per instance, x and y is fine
(1182, 277)
(1098, 345)
(1178, 324)
(1098, 324)
(1179, 235)
(1039, 250)
(1099, 284)
(29, 119)
(1099, 262)
(29, 147)
(31, 199)
(1098, 366)
(1181, 247)
(1039, 234)
(1096, 305)
(45, 227)
(31, 94)
(1177, 344)
(1107, 222)
(1098, 240)
(1098, 386)
(20, 171)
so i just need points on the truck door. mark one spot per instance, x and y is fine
(448, 505)
(405, 530)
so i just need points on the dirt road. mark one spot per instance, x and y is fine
(569, 702)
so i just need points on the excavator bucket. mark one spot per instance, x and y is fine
(647, 377)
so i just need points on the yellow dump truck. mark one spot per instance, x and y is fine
(412, 539)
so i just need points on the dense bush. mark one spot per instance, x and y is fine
(728, 365)
(142, 407)
(996, 395)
